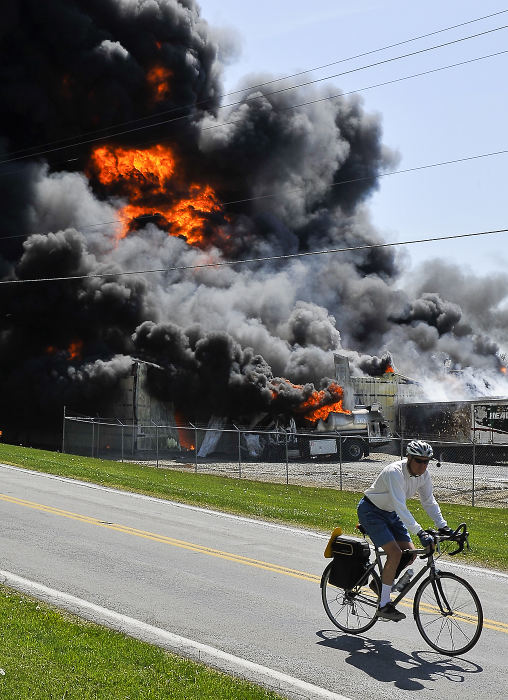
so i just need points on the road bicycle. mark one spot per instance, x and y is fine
(446, 608)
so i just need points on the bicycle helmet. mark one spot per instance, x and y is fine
(419, 448)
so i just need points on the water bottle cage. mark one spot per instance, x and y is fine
(403, 581)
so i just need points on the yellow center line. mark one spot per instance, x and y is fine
(238, 558)
(201, 549)
(433, 609)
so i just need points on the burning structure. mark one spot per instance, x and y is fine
(130, 425)
(390, 390)
(118, 157)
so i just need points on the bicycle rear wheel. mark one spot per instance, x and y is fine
(448, 614)
(353, 610)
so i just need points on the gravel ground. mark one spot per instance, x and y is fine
(452, 481)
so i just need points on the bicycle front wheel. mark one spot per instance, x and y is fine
(352, 610)
(448, 614)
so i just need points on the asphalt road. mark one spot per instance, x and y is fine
(248, 588)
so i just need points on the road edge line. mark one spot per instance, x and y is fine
(182, 646)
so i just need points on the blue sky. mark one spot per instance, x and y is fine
(443, 116)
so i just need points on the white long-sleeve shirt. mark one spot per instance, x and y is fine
(395, 485)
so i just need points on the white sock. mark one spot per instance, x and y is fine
(386, 589)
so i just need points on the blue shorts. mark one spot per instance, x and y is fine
(382, 525)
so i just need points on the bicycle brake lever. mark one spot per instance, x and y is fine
(460, 542)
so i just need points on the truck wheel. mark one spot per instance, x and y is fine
(352, 450)
(273, 453)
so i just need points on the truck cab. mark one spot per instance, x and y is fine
(359, 430)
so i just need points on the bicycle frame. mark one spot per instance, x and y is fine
(429, 568)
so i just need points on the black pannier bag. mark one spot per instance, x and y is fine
(350, 559)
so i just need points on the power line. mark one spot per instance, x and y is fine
(255, 98)
(367, 53)
(351, 92)
(337, 183)
(230, 263)
(324, 99)
(275, 80)
(378, 175)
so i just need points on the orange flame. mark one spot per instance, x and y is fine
(145, 175)
(322, 410)
(316, 406)
(184, 434)
(183, 219)
(136, 168)
(503, 370)
(158, 80)
(389, 370)
(73, 351)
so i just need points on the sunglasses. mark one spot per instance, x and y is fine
(421, 461)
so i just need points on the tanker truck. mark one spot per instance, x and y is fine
(347, 436)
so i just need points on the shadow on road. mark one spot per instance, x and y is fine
(380, 660)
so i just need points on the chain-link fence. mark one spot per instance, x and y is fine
(464, 473)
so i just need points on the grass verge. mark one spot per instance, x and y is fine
(316, 508)
(47, 654)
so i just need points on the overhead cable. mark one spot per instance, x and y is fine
(230, 263)
(307, 103)
(275, 80)
(256, 97)
(337, 183)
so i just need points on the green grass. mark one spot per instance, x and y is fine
(316, 508)
(49, 655)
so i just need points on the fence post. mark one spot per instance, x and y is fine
(239, 452)
(195, 447)
(474, 464)
(401, 434)
(93, 435)
(122, 438)
(287, 457)
(340, 462)
(157, 443)
(63, 432)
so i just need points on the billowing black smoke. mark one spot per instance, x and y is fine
(133, 74)
(376, 366)
(71, 67)
(211, 365)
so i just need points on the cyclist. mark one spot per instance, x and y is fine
(383, 513)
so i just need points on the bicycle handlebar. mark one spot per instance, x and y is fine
(459, 535)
